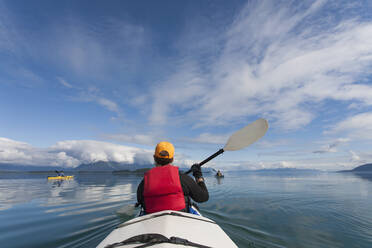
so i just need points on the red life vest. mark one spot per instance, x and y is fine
(163, 190)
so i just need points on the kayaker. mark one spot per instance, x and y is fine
(60, 173)
(165, 188)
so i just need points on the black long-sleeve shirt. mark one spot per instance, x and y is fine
(197, 191)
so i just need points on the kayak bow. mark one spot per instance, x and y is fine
(168, 229)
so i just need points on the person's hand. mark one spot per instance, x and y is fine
(196, 171)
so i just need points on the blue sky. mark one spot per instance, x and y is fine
(83, 81)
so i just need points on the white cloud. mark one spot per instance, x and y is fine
(355, 157)
(152, 139)
(109, 104)
(276, 60)
(15, 152)
(64, 82)
(265, 144)
(94, 95)
(357, 127)
(332, 147)
(180, 89)
(86, 151)
(95, 54)
(334, 163)
(209, 138)
(12, 150)
(142, 139)
(85, 52)
(71, 153)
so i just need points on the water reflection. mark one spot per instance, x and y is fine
(22, 188)
(269, 210)
(219, 180)
(57, 183)
(365, 176)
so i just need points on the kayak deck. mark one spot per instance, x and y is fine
(172, 227)
(61, 178)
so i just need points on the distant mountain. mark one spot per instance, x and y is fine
(361, 168)
(365, 167)
(110, 166)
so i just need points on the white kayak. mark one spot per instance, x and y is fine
(168, 229)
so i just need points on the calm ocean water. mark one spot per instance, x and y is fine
(254, 209)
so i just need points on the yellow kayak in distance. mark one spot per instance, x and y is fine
(61, 178)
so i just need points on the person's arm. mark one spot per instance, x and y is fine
(140, 193)
(197, 191)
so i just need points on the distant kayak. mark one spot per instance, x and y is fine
(168, 229)
(61, 178)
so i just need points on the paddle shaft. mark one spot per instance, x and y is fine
(209, 158)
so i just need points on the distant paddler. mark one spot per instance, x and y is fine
(219, 174)
(60, 173)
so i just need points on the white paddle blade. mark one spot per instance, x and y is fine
(247, 135)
